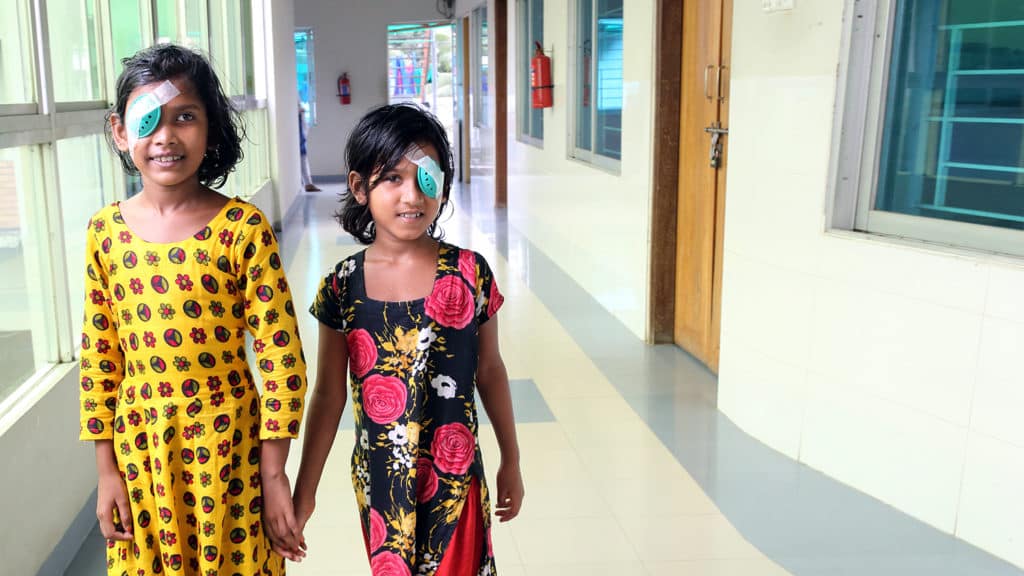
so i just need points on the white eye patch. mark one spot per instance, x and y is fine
(429, 175)
(143, 115)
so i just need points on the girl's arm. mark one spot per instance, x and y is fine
(492, 383)
(326, 406)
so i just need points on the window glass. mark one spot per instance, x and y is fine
(16, 71)
(953, 130)
(608, 131)
(166, 13)
(584, 73)
(125, 31)
(24, 320)
(304, 70)
(73, 50)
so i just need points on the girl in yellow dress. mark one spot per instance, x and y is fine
(190, 456)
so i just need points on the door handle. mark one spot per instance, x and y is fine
(707, 71)
(718, 82)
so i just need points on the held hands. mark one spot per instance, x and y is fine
(510, 491)
(279, 521)
(112, 507)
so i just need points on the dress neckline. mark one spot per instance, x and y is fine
(209, 224)
(361, 271)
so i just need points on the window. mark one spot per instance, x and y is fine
(28, 334)
(17, 86)
(530, 32)
(482, 48)
(306, 76)
(942, 160)
(56, 169)
(597, 82)
(74, 56)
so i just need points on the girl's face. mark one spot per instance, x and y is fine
(170, 156)
(400, 210)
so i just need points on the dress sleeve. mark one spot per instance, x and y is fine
(270, 318)
(327, 306)
(102, 363)
(488, 297)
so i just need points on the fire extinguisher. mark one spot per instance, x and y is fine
(541, 86)
(344, 92)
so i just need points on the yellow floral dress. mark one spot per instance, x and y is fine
(164, 375)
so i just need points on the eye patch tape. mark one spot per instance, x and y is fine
(144, 112)
(429, 175)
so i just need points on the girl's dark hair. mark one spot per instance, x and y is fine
(376, 145)
(167, 61)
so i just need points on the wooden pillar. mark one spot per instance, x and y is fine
(499, 24)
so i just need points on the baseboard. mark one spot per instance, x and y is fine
(330, 178)
(66, 550)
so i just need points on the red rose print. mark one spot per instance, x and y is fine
(426, 480)
(453, 448)
(494, 300)
(467, 266)
(388, 564)
(451, 303)
(378, 530)
(383, 398)
(362, 352)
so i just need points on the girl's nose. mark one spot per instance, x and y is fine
(164, 133)
(410, 191)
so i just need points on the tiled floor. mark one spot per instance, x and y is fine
(629, 468)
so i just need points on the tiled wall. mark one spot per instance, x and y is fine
(593, 223)
(893, 367)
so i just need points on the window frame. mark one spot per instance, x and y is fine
(863, 82)
(481, 118)
(40, 125)
(590, 157)
(524, 46)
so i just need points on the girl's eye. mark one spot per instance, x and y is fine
(186, 117)
(393, 178)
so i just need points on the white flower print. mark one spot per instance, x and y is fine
(485, 570)
(364, 440)
(425, 338)
(481, 301)
(346, 269)
(402, 458)
(445, 386)
(399, 435)
(428, 565)
(419, 365)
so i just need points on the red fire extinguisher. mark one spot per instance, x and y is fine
(540, 79)
(344, 92)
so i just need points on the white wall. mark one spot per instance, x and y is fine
(282, 107)
(48, 476)
(594, 224)
(351, 37)
(895, 368)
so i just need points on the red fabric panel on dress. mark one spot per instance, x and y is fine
(466, 548)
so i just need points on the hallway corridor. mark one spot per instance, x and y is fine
(629, 467)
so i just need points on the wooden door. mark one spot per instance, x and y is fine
(701, 193)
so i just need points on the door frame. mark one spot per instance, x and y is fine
(668, 71)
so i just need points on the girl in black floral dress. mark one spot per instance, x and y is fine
(411, 319)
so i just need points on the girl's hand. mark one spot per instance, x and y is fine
(279, 517)
(112, 507)
(510, 491)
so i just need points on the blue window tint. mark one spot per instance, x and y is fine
(953, 134)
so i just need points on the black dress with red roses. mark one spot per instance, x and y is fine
(413, 373)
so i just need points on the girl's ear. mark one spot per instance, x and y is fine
(357, 185)
(119, 131)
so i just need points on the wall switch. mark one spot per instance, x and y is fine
(776, 5)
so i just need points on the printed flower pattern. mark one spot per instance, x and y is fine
(176, 396)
